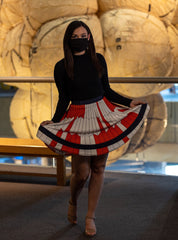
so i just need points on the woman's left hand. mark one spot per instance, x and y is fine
(134, 103)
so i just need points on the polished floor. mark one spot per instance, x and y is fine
(132, 207)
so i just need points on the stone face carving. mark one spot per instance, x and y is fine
(137, 38)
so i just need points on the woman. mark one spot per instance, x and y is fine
(92, 124)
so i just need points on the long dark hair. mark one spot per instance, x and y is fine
(68, 56)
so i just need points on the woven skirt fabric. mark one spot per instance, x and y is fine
(93, 129)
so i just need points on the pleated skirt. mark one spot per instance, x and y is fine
(93, 129)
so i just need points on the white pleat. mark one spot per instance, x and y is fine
(48, 140)
(122, 127)
(93, 118)
(110, 116)
(104, 126)
(55, 127)
(87, 140)
(104, 109)
(58, 146)
(64, 135)
(81, 126)
(44, 138)
(89, 115)
(136, 109)
(115, 145)
(82, 139)
(88, 152)
(91, 139)
(76, 125)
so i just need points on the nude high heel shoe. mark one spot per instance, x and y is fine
(72, 213)
(90, 228)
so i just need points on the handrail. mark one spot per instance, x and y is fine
(111, 79)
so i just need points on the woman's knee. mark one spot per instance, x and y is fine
(98, 164)
(83, 175)
(98, 169)
(81, 167)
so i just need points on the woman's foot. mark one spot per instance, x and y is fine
(72, 213)
(90, 228)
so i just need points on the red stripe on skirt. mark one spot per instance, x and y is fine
(126, 139)
(129, 119)
(102, 151)
(110, 105)
(53, 143)
(73, 138)
(76, 111)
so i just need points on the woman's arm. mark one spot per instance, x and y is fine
(63, 101)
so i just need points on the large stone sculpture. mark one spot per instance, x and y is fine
(136, 45)
(165, 10)
(16, 50)
(154, 126)
(137, 38)
(173, 36)
(36, 13)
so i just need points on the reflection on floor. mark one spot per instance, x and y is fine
(162, 168)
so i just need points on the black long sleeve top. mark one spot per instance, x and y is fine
(85, 85)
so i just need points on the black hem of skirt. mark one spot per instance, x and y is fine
(99, 145)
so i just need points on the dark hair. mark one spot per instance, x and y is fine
(68, 56)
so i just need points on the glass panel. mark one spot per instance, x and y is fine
(162, 157)
(21, 110)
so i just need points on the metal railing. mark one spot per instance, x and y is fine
(111, 79)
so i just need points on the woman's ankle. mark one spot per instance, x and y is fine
(90, 215)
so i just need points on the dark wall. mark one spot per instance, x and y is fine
(5, 126)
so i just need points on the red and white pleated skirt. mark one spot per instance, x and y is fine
(94, 128)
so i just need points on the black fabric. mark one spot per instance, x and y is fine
(85, 85)
(79, 44)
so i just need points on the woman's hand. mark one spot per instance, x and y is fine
(134, 103)
(46, 122)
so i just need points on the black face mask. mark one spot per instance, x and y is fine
(78, 44)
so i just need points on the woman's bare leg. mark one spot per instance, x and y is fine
(81, 167)
(94, 190)
(96, 182)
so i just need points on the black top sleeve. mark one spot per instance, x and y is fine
(63, 101)
(109, 93)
